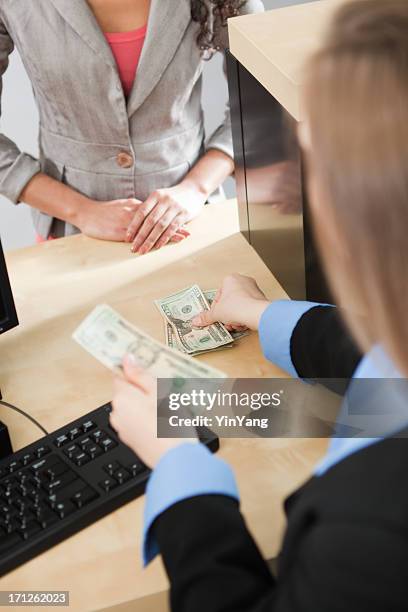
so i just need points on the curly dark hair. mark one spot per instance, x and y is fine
(212, 16)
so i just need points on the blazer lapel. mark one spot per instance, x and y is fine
(167, 23)
(81, 18)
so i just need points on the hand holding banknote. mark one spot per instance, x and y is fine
(138, 360)
(134, 414)
(239, 303)
(179, 309)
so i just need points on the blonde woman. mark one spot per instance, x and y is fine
(118, 87)
(346, 543)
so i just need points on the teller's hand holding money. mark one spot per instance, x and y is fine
(238, 304)
(134, 414)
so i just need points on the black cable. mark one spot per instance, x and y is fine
(28, 416)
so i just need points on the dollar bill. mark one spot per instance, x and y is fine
(171, 341)
(179, 309)
(171, 338)
(108, 337)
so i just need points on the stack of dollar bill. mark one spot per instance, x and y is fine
(179, 309)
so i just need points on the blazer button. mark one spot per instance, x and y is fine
(124, 159)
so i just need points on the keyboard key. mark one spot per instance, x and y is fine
(7, 512)
(34, 495)
(98, 435)
(108, 484)
(42, 450)
(107, 444)
(122, 476)
(7, 496)
(72, 450)
(43, 464)
(11, 525)
(64, 509)
(86, 442)
(14, 466)
(7, 483)
(110, 468)
(61, 440)
(53, 485)
(84, 497)
(94, 451)
(81, 458)
(23, 519)
(88, 426)
(38, 465)
(136, 468)
(22, 477)
(27, 458)
(74, 433)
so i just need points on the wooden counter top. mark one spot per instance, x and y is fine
(274, 45)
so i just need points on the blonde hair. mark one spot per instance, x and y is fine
(356, 103)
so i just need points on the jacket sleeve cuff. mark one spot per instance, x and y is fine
(21, 171)
(189, 470)
(221, 140)
(276, 328)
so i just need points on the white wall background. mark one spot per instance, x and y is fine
(19, 121)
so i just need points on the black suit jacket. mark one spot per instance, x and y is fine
(346, 543)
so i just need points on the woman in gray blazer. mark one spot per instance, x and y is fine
(119, 168)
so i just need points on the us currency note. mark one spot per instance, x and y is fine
(171, 339)
(179, 309)
(108, 337)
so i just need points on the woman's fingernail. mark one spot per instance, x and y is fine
(196, 320)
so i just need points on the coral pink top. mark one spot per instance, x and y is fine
(127, 48)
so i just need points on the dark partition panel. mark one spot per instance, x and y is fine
(272, 203)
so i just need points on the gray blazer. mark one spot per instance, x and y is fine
(90, 136)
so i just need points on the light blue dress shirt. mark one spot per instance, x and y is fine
(190, 469)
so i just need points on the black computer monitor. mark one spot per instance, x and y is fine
(8, 320)
(8, 314)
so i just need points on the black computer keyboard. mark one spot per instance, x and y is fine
(51, 489)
